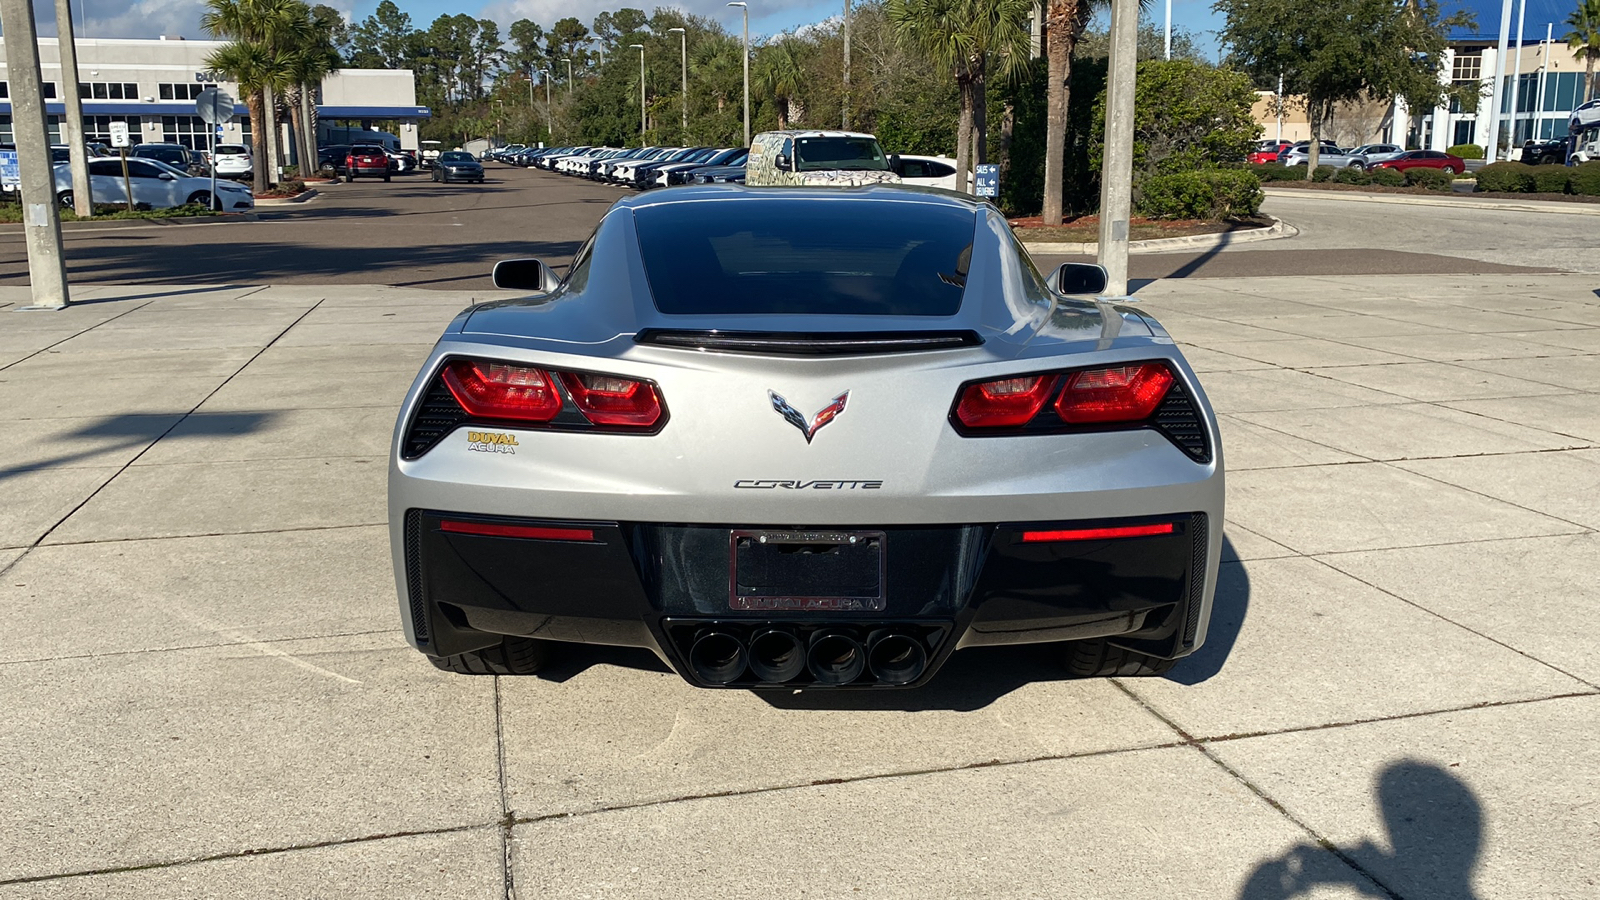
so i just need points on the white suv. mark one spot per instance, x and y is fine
(233, 161)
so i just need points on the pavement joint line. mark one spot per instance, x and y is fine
(204, 534)
(76, 334)
(1488, 540)
(157, 440)
(1538, 512)
(1397, 717)
(1339, 312)
(1260, 793)
(1467, 628)
(185, 647)
(1483, 415)
(248, 853)
(507, 820)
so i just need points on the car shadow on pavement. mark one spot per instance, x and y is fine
(1228, 611)
(113, 434)
(1435, 828)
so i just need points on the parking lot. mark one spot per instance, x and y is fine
(208, 695)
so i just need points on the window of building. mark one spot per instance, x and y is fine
(180, 91)
(8, 137)
(1468, 65)
(49, 90)
(108, 90)
(190, 131)
(98, 128)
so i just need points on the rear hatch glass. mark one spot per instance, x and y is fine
(806, 256)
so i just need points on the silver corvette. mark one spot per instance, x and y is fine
(805, 437)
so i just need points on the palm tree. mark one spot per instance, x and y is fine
(780, 72)
(1584, 39)
(261, 34)
(965, 36)
(313, 60)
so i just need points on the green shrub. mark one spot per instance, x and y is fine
(1275, 172)
(1387, 177)
(1205, 194)
(1585, 179)
(1466, 151)
(1509, 177)
(1432, 179)
(1551, 179)
(1352, 175)
(1323, 173)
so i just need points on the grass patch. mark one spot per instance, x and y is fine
(12, 212)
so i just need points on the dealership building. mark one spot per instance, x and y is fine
(152, 85)
(1543, 83)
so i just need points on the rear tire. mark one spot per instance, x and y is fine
(1450, 170)
(385, 179)
(513, 656)
(66, 200)
(1100, 659)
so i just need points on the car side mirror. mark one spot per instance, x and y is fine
(1081, 278)
(525, 275)
(895, 165)
(166, 176)
(781, 162)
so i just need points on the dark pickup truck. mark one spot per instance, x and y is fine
(1544, 153)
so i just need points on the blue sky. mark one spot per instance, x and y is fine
(153, 18)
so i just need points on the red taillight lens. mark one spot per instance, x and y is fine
(1116, 394)
(609, 400)
(531, 532)
(1005, 403)
(1096, 534)
(499, 391)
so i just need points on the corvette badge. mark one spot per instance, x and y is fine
(797, 419)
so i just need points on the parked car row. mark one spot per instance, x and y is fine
(335, 159)
(1367, 156)
(643, 168)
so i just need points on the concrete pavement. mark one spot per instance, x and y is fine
(208, 695)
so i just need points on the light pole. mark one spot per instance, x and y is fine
(684, 34)
(640, 48)
(746, 7)
(844, 116)
(569, 78)
(549, 113)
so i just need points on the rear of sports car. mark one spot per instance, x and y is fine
(805, 438)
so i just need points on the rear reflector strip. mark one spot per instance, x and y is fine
(532, 532)
(1096, 534)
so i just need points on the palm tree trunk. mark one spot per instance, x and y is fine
(1059, 16)
(269, 115)
(308, 125)
(964, 134)
(258, 140)
(298, 132)
(1588, 70)
(980, 112)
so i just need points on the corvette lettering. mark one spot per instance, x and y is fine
(759, 484)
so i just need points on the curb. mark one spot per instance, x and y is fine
(10, 228)
(1549, 206)
(301, 197)
(1278, 229)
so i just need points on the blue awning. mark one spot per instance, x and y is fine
(374, 112)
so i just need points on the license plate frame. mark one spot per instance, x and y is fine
(848, 570)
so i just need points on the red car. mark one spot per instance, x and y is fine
(367, 160)
(1267, 151)
(1425, 159)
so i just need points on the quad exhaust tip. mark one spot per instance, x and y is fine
(896, 658)
(776, 655)
(835, 658)
(717, 657)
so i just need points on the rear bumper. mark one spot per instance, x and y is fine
(661, 587)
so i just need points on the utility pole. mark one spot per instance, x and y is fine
(1544, 74)
(746, 8)
(684, 80)
(1516, 73)
(1167, 43)
(640, 48)
(41, 223)
(72, 125)
(1492, 139)
(844, 118)
(569, 78)
(1116, 174)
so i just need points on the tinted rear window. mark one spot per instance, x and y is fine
(230, 148)
(806, 256)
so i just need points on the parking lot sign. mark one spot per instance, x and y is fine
(987, 178)
(10, 175)
(119, 134)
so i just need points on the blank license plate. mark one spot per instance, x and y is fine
(815, 571)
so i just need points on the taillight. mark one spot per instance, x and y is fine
(1005, 403)
(1115, 394)
(610, 400)
(500, 391)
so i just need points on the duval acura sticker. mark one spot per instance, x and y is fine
(491, 442)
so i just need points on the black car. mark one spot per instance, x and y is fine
(719, 175)
(734, 157)
(330, 159)
(457, 165)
